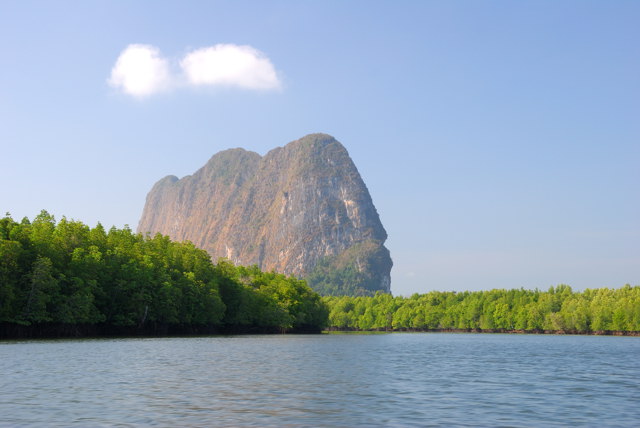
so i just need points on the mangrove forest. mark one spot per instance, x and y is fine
(558, 309)
(63, 278)
(67, 279)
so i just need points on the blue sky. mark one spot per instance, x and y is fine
(500, 140)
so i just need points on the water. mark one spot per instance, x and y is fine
(395, 379)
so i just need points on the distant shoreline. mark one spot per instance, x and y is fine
(489, 331)
(52, 331)
(80, 334)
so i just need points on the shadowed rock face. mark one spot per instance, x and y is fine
(297, 206)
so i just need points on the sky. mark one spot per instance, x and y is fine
(500, 140)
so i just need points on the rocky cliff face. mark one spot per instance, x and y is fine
(300, 209)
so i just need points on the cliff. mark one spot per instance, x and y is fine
(301, 210)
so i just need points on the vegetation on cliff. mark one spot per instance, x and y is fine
(558, 309)
(66, 278)
(354, 272)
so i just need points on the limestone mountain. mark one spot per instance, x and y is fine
(301, 210)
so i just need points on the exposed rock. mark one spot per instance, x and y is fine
(299, 206)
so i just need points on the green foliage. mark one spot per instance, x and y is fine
(354, 272)
(65, 273)
(558, 309)
(272, 300)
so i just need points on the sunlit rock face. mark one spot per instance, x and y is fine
(298, 206)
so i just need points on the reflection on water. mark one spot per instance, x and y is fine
(324, 380)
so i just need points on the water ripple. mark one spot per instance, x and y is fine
(327, 380)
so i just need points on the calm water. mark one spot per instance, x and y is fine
(326, 380)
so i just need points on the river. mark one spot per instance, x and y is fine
(399, 379)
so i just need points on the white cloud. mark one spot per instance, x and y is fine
(230, 65)
(140, 71)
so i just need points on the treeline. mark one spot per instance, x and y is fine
(65, 278)
(558, 309)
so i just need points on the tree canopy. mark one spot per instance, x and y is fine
(557, 309)
(60, 274)
(63, 277)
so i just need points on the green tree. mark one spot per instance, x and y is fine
(10, 275)
(42, 287)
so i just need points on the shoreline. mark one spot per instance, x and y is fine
(488, 331)
(10, 331)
